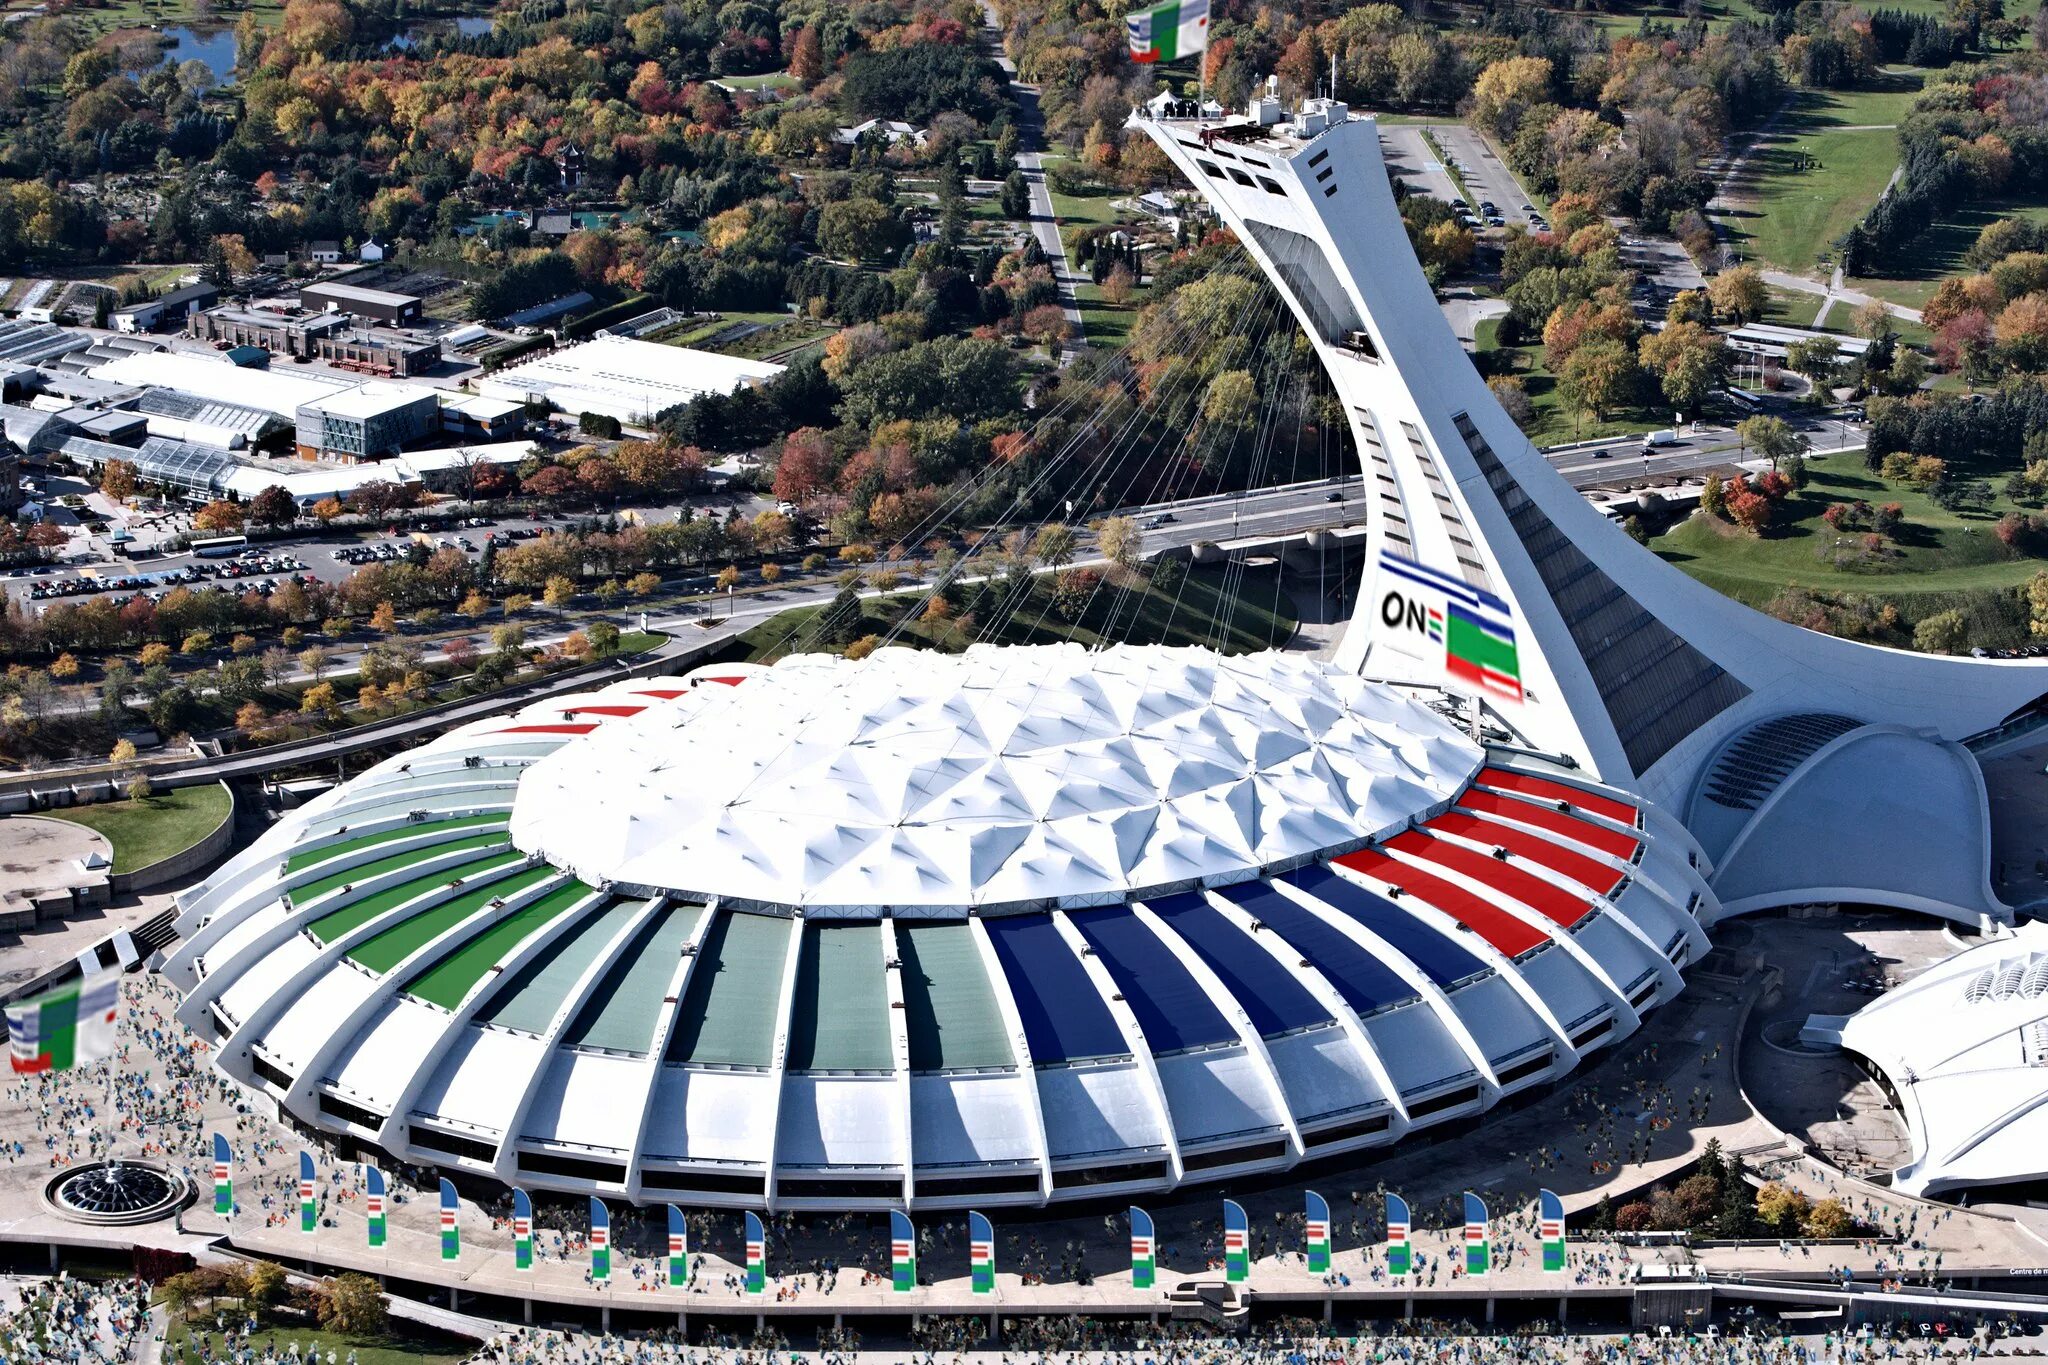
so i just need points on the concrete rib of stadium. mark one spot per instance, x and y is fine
(1009, 928)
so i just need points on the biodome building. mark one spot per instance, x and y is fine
(1037, 924)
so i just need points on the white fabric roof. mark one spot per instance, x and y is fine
(997, 777)
(635, 381)
(1965, 1047)
(221, 381)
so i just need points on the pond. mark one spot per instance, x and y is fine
(466, 26)
(216, 48)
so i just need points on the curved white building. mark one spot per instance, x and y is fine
(1962, 1049)
(1017, 926)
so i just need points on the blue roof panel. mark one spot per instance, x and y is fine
(1173, 1009)
(1442, 959)
(1064, 1017)
(1366, 983)
(1276, 1001)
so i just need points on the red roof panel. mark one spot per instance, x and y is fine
(1506, 933)
(1550, 818)
(1590, 873)
(1531, 785)
(1553, 902)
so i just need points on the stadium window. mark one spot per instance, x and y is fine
(935, 1187)
(1582, 1041)
(1269, 187)
(350, 1113)
(1521, 1071)
(838, 1189)
(1319, 157)
(1450, 1099)
(1109, 1175)
(485, 1153)
(1329, 190)
(266, 1071)
(707, 1182)
(1345, 1132)
(1235, 1156)
(1240, 177)
(573, 1167)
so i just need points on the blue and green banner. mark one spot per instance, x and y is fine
(1431, 615)
(1162, 33)
(223, 1177)
(309, 1199)
(1318, 1234)
(1550, 1229)
(757, 1255)
(373, 1204)
(1478, 1249)
(1237, 1251)
(981, 1253)
(902, 1252)
(522, 1231)
(1144, 1249)
(600, 1241)
(1400, 1251)
(451, 1236)
(678, 1249)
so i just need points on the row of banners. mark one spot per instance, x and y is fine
(981, 1235)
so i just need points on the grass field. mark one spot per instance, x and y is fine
(1106, 323)
(1939, 552)
(152, 829)
(1556, 423)
(1820, 170)
(403, 1344)
(1938, 253)
(1233, 610)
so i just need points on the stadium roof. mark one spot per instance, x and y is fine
(398, 961)
(1001, 776)
(1964, 1049)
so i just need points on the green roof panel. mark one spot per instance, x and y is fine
(388, 947)
(727, 1016)
(356, 913)
(306, 858)
(621, 1013)
(949, 1006)
(839, 1018)
(448, 982)
(531, 999)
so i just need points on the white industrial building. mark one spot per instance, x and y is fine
(633, 381)
(218, 380)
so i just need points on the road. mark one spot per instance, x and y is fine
(1031, 146)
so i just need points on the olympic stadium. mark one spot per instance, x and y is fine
(1036, 924)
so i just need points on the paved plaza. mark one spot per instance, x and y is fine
(1642, 1113)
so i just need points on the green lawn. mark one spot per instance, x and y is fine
(150, 830)
(1940, 551)
(402, 1343)
(1555, 422)
(1938, 253)
(1080, 211)
(1106, 323)
(1235, 610)
(1819, 171)
(640, 641)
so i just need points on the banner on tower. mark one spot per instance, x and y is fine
(1400, 1253)
(902, 1252)
(1162, 33)
(1478, 1250)
(67, 1027)
(600, 1241)
(223, 1177)
(1463, 634)
(373, 1203)
(981, 1253)
(757, 1255)
(451, 1236)
(522, 1231)
(1318, 1234)
(1144, 1249)
(1237, 1251)
(678, 1249)
(1550, 1229)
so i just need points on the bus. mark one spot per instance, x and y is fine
(1744, 400)
(220, 547)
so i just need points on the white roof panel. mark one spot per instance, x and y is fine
(1098, 1109)
(968, 1117)
(396, 1043)
(839, 1121)
(474, 1085)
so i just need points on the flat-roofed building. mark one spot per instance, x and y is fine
(367, 422)
(380, 304)
(328, 336)
(633, 381)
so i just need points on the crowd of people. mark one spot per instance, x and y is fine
(73, 1321)
(1419, 1341)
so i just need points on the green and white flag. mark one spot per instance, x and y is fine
(1161, 33)
(65, 1028)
